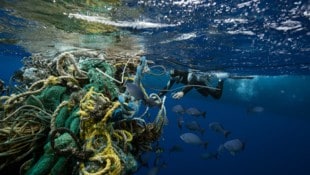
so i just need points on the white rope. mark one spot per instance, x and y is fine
(123, 73)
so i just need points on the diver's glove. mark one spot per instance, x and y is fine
(178, 95)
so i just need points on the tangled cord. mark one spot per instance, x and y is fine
(76, 152)
(164, 70)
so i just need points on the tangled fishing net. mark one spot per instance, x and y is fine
(73, 115)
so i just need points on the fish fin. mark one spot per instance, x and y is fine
(244, 142)
(226, 133)
(220, 149)
(243, 145)
(216, 155)
(232, 153)
(205, 145)
(204, 114)
(202, 131)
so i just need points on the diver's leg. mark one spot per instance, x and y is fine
(216, 93)
(203, 91)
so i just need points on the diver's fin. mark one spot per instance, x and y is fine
(239, 77)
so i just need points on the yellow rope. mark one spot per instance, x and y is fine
(111, 163)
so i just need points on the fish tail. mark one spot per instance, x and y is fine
(204, 114)
(233, 153)
(202, 131)
(205, 145)
(220, 149)
(216, 155)
(243, 145)
(226, 133)
(248, 111)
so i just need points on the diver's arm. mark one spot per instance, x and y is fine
(166, 88)
(187, 88)
(181, 93)
(189, 82)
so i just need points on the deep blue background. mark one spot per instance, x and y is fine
(277, 139)
(10, 60)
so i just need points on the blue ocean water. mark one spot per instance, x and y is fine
(276, 139)
(267, 39)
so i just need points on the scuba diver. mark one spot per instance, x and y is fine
(192, 79)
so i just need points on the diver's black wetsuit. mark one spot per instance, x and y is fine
(187, 78)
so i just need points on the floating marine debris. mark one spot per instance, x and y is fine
(73, 121)
(2, 87)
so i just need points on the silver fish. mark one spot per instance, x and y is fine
(135, 91)
(192, 138)
(175, 148)
(232, 146)
(180, 122)
(195, 112)
(153, 171)
(217, 127)
(178, 109)
(210, 155)
(255, 109)
(194, 126)
(157, 166)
